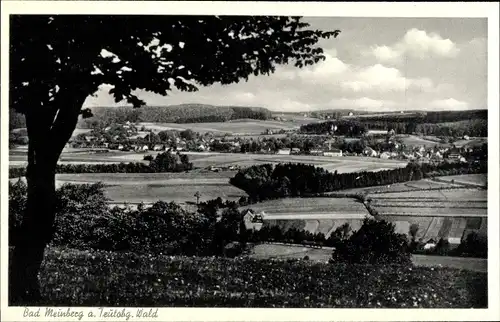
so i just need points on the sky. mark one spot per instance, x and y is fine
(375, 64)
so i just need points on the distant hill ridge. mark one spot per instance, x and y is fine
(182, 113)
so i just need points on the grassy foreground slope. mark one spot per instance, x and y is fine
(78, 278)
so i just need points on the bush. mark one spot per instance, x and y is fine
(148, 157)
(85, 221)
(474, 245)
(376, 242)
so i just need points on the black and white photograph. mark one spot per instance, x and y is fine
(157, 158)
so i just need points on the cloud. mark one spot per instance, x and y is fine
(385, 79)
(417, 44)
(325, 70)
(449, 104)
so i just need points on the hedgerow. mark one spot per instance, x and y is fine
(163, 162)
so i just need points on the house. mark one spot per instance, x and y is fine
(385, 155)
(376, 132)
(351, 114)
(295, 150)
(333, 153)
(437, 156)
(120, 147)
(284, 151)
(454, 156)
(466, 137)
(158, 147)
(145, 148)
(316, 152)
(369, 152)
(430, 244)
(253, 221)
(454, 240)
(391, 132)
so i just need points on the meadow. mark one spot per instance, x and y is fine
(94, 278)
(480, 180)
(449, 211)
(283, 252)
(333, 206)
(315, 215)
(235, 127)
(18, 157)
(150, 187)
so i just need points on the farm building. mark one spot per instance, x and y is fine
(376, 132)
(385, 155)
(295, 150)
(316, 152)
(158, 147)
(333, 153)
(284, 151)
(454, 240)
(430, 244)
(253, 221)
(369, 152)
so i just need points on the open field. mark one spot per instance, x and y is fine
(279, 251)
(325, 224)
(235, 127)
(312, 214)
(444, 194)
(472, 142)
(309, 206)
(18, 157)
(423, 184)
(151, 187)
(109, 279)
(447, 213)
(480, 180)
(414, 140)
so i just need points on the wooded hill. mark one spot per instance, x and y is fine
(183, 113)
(439, 123)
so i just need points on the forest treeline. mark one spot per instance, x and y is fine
(268, 181)
(184, 113)
(440, 123)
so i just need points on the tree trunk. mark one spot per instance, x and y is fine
(49, 129)
(36, 233)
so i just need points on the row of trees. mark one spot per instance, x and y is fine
(270, 181)
(163, 162)
(339, 127)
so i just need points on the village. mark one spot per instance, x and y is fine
(374, 144)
